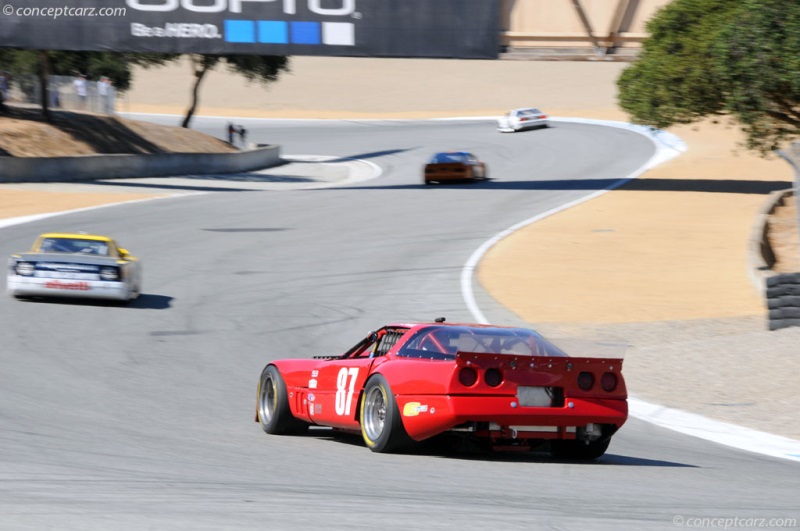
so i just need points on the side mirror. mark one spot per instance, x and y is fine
(123, 253)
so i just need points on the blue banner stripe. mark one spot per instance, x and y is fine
(305, 33)
(273, 31)
(240, 31)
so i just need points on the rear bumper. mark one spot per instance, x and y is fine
(448, 176)
(18, 286)
(532, 124)
(425, 416)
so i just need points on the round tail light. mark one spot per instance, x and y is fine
(608, 381)
(493, 377)
(585, 380)
(467, 376)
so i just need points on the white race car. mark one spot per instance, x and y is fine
(519, 119)
(74, 265)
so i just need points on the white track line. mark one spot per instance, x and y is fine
(668, 146)
(36, 217)
(374, 171)
(713, 430)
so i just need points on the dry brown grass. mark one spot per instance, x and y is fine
(23, 133)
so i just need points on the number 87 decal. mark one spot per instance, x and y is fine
(344, 392)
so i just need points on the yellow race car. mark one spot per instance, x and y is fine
(75, 265)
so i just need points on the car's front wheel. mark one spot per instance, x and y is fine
(381, 425)
(272, 407)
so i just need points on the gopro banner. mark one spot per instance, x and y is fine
(379, 28)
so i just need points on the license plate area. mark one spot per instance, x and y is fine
(537, 396)
(66, 275)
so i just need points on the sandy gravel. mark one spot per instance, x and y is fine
(660, 264)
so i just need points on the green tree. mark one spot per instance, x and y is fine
(118, 67)
(735, 58)
(758, 57)
(259, 68)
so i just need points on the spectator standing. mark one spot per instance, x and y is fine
(243, 136)
(231, 131)
(55, 97)
(111, 98)
(80, 90)
(106, 93)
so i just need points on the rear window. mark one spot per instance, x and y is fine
(441, 158)
(73, 246)
(529, 112)
(442, 342)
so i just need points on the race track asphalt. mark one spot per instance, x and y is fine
(141, 417)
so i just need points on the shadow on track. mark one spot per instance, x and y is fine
(165, 186)
(143, 302)
(635, 185)
(370, 155)
(443, 447)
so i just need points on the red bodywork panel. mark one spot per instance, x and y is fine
(534, 397)
(503, 404)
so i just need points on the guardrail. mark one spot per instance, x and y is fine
(93, 167)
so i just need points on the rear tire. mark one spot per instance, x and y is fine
(273, 405)
(579, 450)
(381, 425)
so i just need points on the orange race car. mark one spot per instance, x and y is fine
(458, 166)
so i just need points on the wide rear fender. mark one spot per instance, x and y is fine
(418, 376)
(296, 372)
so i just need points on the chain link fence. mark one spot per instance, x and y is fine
(66, 93)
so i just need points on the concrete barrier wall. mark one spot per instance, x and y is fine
(92, 167)
(781, 291)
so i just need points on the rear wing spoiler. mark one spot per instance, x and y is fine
(538, 363)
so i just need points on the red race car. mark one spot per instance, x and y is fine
(502, 386)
